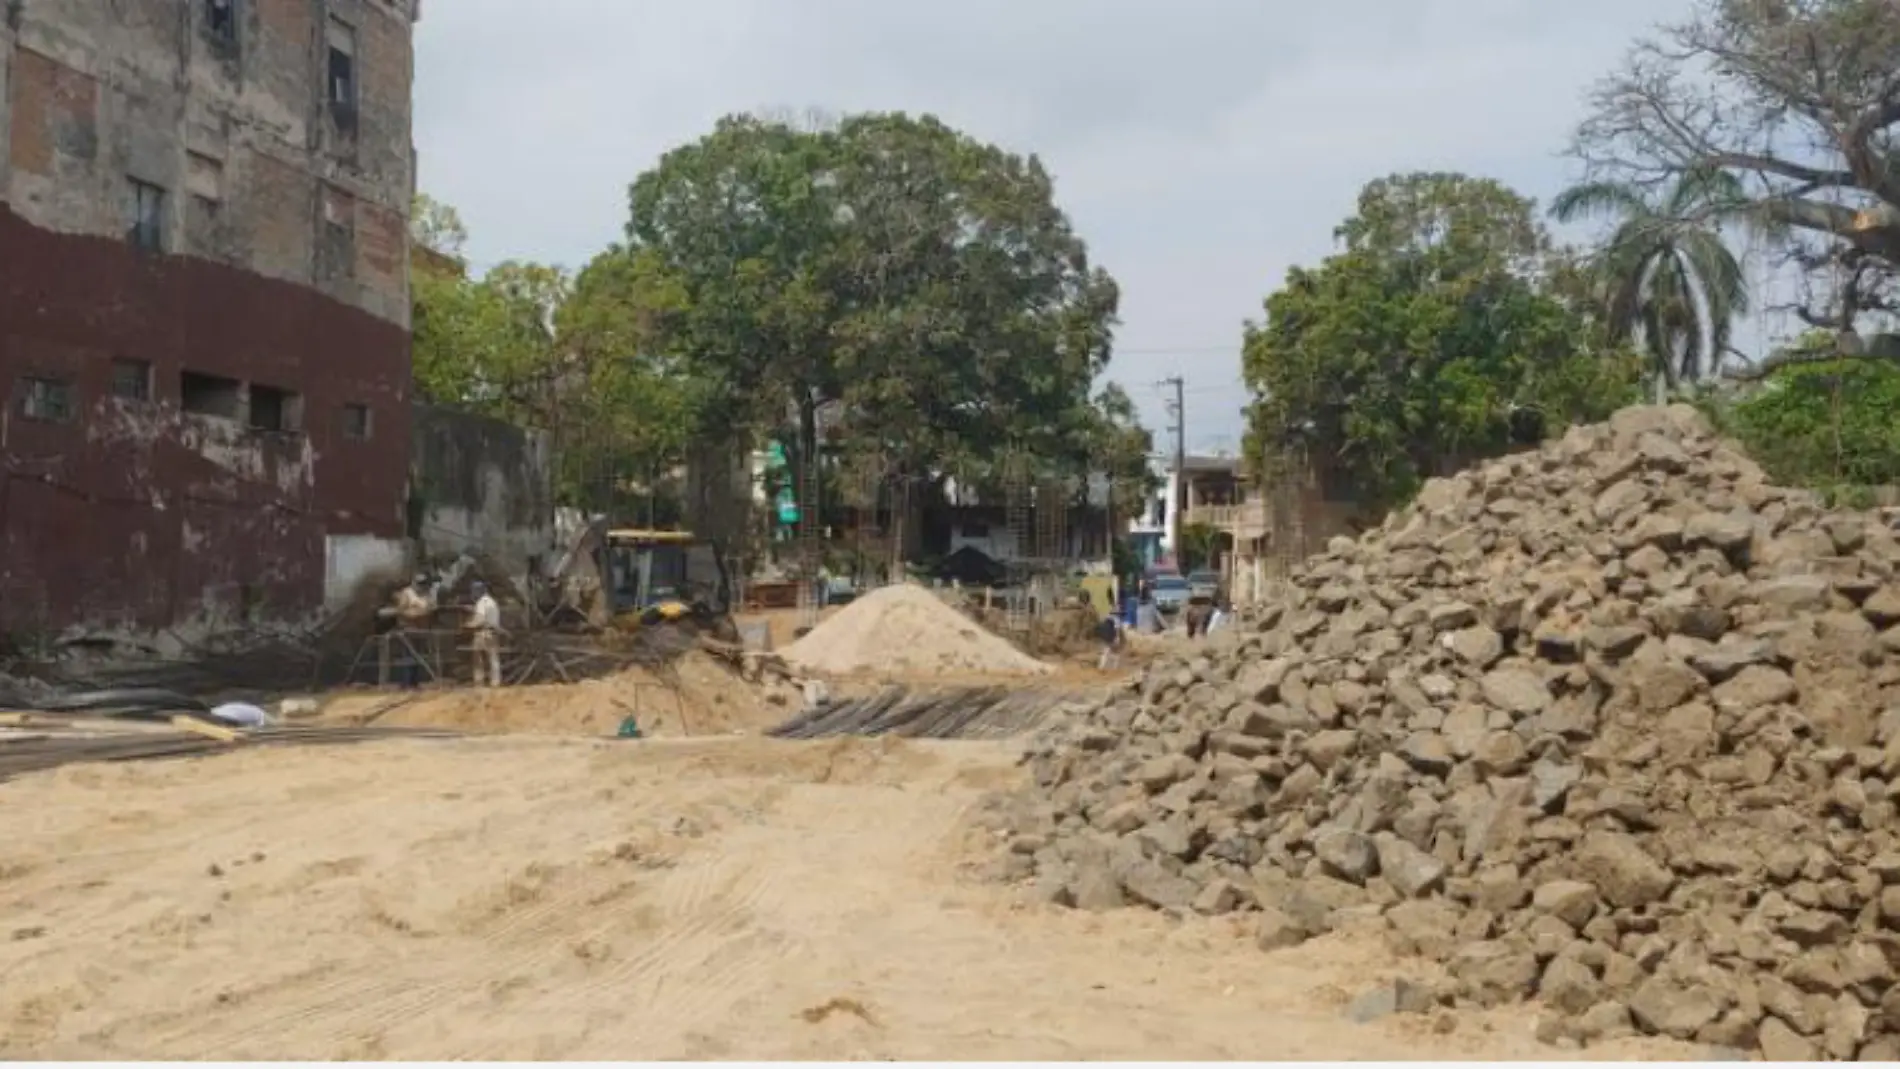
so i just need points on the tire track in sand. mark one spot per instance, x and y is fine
(359, 1005)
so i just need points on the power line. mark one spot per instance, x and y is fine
(1174, 350)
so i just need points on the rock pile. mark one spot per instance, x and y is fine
(1614, 725)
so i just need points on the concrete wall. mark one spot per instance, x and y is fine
(355, 566)
(484, 488)
(233, 399)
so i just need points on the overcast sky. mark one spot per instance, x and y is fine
(1201, 146)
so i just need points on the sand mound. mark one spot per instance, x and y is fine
(906, 628)
(698, 695)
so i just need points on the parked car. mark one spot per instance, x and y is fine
(1204, 586)
(1171, 593)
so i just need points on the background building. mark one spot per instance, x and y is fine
(204, 347)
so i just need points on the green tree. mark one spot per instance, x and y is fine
(1798, 102)
(573, 355)
(1116, 445)
(1668, 279)
(920, 281)
(437, 227)
(1434, 337)
(1201, 547)
(1827, 424)
(632, 408)
(487, 344)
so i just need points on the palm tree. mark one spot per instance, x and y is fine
(1668, 278)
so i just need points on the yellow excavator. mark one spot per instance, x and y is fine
(666, 577)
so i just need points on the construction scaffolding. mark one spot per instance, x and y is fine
(1019, 519)
(1287, 478)
(1052, 521)
(810, 537)
(863, 490)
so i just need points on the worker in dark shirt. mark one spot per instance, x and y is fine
(1196, 616)
(1109, 631)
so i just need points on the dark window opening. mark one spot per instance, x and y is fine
(340, 84)
(342, 79)
(47, 399)
(356, 422)
(132, 379)
(148, 217)
(276, 410)
(221, 20)
(210, 395)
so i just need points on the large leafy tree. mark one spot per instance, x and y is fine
(920, 282)
(1667, 278)
(1437, 335)
(1799, 102)
(487, 344)
(572, 355)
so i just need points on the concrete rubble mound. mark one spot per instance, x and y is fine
(1614, 725)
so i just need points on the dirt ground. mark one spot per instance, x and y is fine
(696, 695)
(540, 898)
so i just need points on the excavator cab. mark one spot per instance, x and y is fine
(657, 577)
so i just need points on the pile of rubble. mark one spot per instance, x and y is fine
(1614, 725)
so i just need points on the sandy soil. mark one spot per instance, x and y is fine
(567, 899)
(782, 624)
(906, 627)
(696, 695)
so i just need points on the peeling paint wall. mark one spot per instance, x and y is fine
(355, 562)
(204, 350)
(482, 487)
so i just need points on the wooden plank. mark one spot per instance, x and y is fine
(216, 732)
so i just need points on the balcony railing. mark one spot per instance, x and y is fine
(1245, 520)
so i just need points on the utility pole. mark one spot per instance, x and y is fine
(1177, 409)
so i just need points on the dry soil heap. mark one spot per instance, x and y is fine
(906, 629)
(1615, 724)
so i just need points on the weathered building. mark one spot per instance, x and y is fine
(204, 347)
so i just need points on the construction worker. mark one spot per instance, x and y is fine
(484, 620)
(412, 610)
(1109, 631)
(1196, 616)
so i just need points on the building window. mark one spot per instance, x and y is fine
(275, 410)
(132, 379)
(221, 21)
(210, 395)
(148, 216)
(49, 400)
(341, 82)
(336, 239)
(356, 422)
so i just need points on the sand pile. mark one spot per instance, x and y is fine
(1614, 725)
(906, 629)
(695, 695)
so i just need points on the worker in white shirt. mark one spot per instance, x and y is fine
(485, 621)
